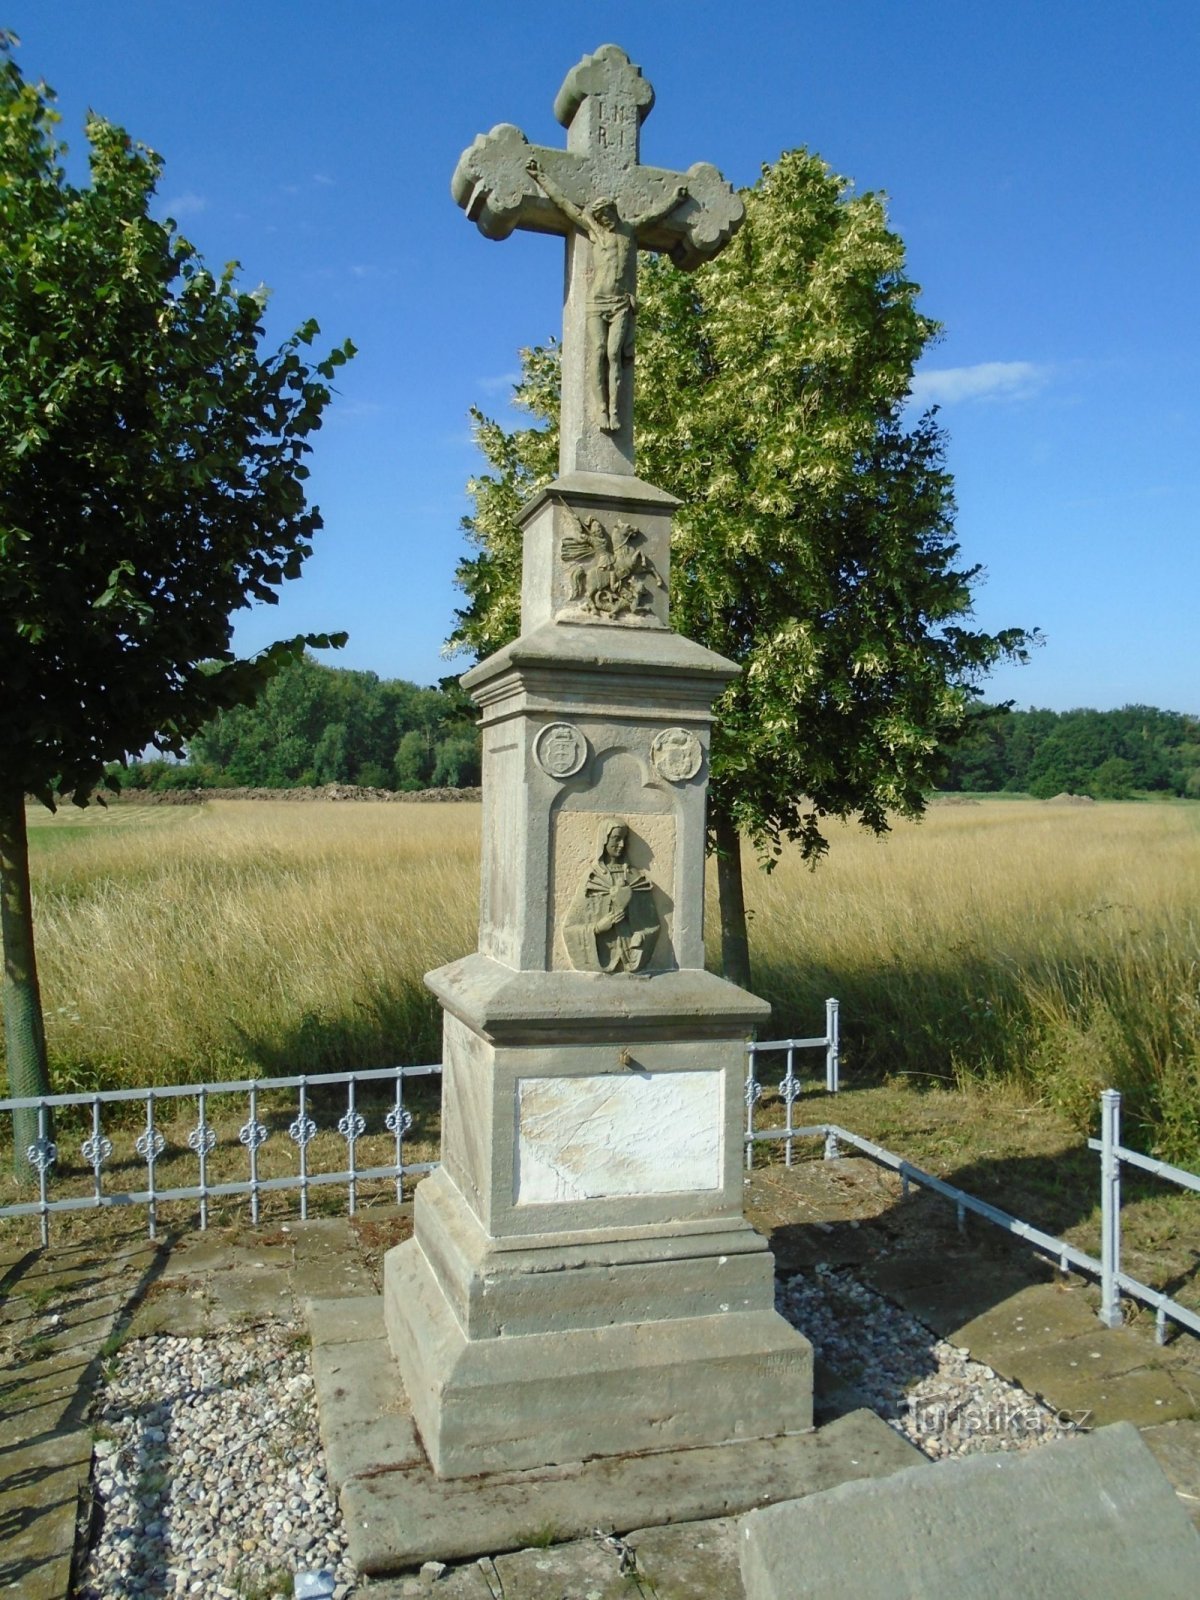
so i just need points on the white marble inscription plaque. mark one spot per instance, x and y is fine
(630, 1133)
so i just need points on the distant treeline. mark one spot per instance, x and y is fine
(1106, 754)
(316, 725)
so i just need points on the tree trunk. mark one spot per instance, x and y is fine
(24, 1033)
(735, 943)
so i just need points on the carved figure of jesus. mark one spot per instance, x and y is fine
(611, 305)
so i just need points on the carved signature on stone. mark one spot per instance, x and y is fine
(676, 754)
(612, 577)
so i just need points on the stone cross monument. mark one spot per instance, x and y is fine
(608, 205)
(581, 1281)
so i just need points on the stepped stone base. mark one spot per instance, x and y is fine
(399, 1512)
(525, 1357)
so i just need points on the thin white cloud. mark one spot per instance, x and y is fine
(185, 205)
(320, 177)
(505, 380)
(987, 380)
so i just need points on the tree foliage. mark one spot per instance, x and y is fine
(152, 467)
(1106, 754)
(814, 545)
(315, 724)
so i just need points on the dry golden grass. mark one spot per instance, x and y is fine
(178, 944)
(1054, 946)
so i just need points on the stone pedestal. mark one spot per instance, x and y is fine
(581, 1281)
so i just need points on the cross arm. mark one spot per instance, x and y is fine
(691, 230)
(494, 186)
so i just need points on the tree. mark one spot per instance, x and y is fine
(151, 483)
(814, 545)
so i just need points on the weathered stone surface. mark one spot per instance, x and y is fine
(690, 1560)
(1176, 1448)
(588, 1138)
(484, 1405)
(608, 205)
(1086, 1517)
(397, 1519)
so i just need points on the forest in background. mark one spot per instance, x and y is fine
(317, 725)
(1109, 755)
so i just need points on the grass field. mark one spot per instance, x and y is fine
(1055, 949)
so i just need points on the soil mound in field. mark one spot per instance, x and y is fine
(328, 791)
(1067, 799)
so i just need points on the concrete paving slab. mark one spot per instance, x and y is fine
(1176, 1448)
(180, 1308)
(397, 1519)
(237, 1299)
(40, 1488)
(690, 1560)
(344, 1321)
(1039, 1315)
(364, 1426)
(1071, 1377)
(199, 1254)
(1084, 1518)
(586, 1567)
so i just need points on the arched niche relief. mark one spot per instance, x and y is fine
(625, 790)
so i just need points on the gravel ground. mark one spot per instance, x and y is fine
(209, 1471)
(211, 1481)
(928, 1390)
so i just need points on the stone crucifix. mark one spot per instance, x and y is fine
(608, 205)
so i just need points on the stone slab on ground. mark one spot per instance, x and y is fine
(398, 1513)
(1176, 1448)
(40, 1489)
(1078, 1520)
(690, 1560)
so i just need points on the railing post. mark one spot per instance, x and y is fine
(1110, 1209)
(831, 1048)
(753, 1091)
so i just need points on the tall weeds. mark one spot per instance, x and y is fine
(251, 938)
(1055, 946)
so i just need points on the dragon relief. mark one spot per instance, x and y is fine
(612, 577)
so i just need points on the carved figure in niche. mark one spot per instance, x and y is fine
(611, 925)
(611, 306)
(612, 575)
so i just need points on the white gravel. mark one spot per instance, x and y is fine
(211, 1482)
(930, 1391)
(209, 1472)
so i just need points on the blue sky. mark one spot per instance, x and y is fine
(1040, 162)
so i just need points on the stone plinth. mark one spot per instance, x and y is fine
(581, 1280)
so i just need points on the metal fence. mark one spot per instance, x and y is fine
(1112, 1280)
(791, 1086)
(1107, 1268)
(150, 1146)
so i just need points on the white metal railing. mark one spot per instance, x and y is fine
(790, 1086)
(1107, 1268)
(1112, 1280)
(151, 1144)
